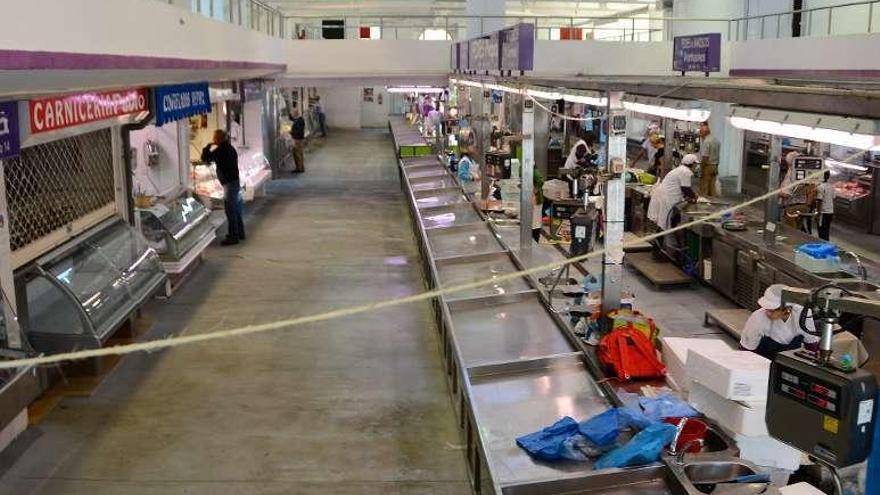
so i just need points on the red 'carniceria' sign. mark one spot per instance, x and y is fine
(59, 112)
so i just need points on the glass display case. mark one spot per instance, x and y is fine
(254, 172)
(79, 294)
(172, 230)
(853, 191)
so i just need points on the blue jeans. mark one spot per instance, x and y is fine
(234, 207)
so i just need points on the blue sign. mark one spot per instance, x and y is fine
(181, 101)
(10, 146)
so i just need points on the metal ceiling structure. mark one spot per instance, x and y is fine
(458, 7)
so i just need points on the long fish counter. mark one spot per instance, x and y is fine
(514, 364)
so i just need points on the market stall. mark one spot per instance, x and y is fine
(242, 119)
(176, 226)
(72, 246)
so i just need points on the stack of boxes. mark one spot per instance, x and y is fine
(730, 387)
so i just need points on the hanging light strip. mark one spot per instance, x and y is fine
(539, 93)
(687, 114)
(819, 134)
(414, 89)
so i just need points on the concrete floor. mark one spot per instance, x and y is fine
(356, 405)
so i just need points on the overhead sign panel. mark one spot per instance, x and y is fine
(60, 112)
(181, 101)
(518, 47)
(512, 48)
(697, 53)
(10, 143)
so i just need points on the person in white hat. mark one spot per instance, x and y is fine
(775, 327)
(675, 188)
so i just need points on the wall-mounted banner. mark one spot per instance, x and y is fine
(484, 53)
(9, 138)
(60, 112)
(518, 47)
(181, 101)
(697, 53)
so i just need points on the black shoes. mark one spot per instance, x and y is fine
(229, 241)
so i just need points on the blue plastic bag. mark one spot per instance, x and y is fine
(549, 444)
(604, 428)
(644, 448)
(665, 406)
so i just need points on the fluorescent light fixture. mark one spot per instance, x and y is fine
(820, 134)
(850, 166)
(465, 82)
(414, 89)
(596, 101)
(688, 114)
(544, 95)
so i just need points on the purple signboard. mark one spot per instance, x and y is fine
(485, 53)
(697, 53)
(9, 137)
(464, 60)
(518, 47)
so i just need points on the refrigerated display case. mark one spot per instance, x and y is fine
(854, 192)
(178, 231)
(254, 173)
(79, 294)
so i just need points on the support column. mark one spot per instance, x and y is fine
(771, 205)
(484, 135)
(479, 24)
(615, 198)
(527, 186)
(7, 279)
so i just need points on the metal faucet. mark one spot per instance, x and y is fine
(863, 272)
(679, 456)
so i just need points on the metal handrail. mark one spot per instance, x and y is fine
(277, 23)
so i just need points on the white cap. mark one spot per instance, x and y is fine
(689, 159)
(772, 298)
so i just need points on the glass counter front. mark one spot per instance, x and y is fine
(173, 229)
(79, 294)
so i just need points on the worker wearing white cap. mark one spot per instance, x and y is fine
(775, 327)
(675, 188)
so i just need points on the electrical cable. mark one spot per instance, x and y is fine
(155, 345)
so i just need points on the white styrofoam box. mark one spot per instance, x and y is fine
(15, 428)
(768, 452)
(802, 488)
(675, 353)
(745, 418)
(736, 375)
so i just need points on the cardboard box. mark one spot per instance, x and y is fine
(735, 375)
(802, 488)
(675, 353)
(768, 452)
(745, 418)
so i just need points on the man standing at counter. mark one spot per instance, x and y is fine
(223, 155)
(710, 155)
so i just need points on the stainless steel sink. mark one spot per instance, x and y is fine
(715, 471)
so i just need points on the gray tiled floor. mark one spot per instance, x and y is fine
(355, 405)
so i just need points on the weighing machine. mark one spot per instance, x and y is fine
(823, 404)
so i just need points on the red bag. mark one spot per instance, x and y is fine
(629, 354)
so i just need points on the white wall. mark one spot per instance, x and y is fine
(342, 105)
(844, 20)
(374, 114)
(131, 27)
(810, 55)
(704, 9)
(165, 178)
(353, 58)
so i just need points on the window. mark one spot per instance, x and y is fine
(435, 35)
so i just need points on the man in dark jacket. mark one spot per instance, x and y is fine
(298, 133)
(223, 155)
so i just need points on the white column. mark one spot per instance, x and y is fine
(527, 186)
(7, 279)
(615, 199)
(477, 27)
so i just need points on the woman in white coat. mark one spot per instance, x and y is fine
(673, 189)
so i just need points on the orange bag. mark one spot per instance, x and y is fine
(629, 354)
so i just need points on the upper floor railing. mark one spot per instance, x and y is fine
(858, 17)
